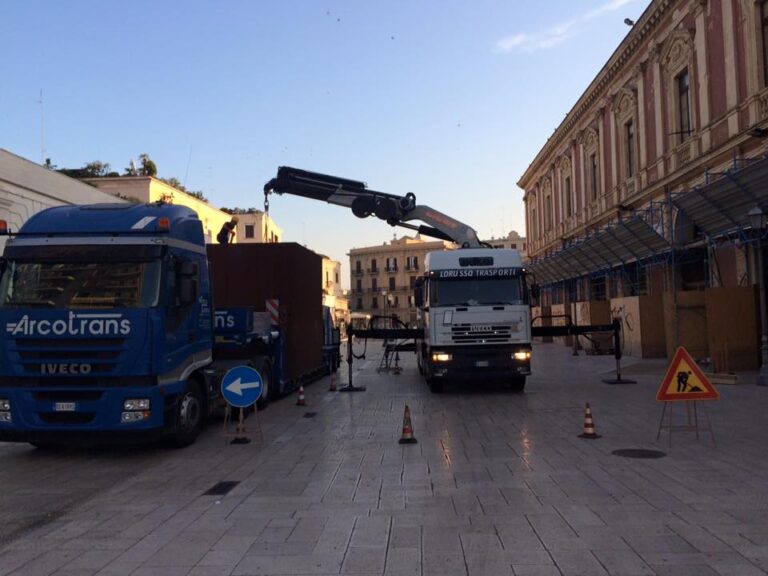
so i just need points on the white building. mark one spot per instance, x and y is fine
(27, 188)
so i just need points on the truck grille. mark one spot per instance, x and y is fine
(69, 358)
(490, 334)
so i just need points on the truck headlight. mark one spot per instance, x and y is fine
(5, 405)
(6, 418)
(136, 404)
(441, 357)
(128, 417)
(522, 355)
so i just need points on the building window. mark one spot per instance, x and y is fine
(396, 301)
(412, 281)
(374, 268)
(336, 275)
(375, 302)
(391, 282)
(374, 284)
(359, 285)
(359, 303)
(684, 105)
(593, 176)
(249, 230)
(629, 144)
(411, 301)
(358, 266)
(568, 201)
(412, 263)
(548, 213)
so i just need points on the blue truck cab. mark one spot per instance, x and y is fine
(106, 326)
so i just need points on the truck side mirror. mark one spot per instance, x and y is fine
(418, 292)
(188, 291)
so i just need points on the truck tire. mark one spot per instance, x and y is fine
(435, 385)
(188, 416)
(264, 368)
(517, 383)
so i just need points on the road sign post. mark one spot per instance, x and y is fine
(685, 382)
(241, 387)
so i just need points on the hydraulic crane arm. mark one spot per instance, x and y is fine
(395, 210)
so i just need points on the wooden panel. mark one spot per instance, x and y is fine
(654, 336)
(627, 309)
(692, 322)
(732, 319)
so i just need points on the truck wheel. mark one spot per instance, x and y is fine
(265, 369)
(517, 383)
(435, 386)
(189, 416)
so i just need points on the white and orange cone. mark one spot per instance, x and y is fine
(589, 425)
(301, 401)
(407, 437)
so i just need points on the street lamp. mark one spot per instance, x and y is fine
(757, 220)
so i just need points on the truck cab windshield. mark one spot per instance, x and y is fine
(475, 292)
(84, 281)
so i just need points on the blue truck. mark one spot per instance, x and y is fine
(108, 329)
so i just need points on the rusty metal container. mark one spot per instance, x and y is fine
(249, 274)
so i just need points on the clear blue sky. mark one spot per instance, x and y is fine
(448, 99)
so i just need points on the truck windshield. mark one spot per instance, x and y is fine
(80, 284)
(474, 292)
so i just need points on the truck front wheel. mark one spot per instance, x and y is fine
(189, 416)
(517, 383)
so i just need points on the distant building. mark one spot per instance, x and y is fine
(382, 277)
(27, 188)
(334, 296)
(513, 241)
(256, 226)
(251, 227)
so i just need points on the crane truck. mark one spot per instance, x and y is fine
(473, 307)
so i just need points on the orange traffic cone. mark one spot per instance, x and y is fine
(333, 382)
(589, 425)
(301, 401)
(407, 437)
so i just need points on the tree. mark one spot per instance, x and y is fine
(97, 168)
(49, 165)
(148, 167)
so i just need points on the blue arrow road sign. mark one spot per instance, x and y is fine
(241, 386)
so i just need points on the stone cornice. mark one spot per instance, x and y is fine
(632, 44)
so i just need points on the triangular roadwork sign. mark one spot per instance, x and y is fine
(685, 381)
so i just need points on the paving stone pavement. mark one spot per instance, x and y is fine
(498, 484)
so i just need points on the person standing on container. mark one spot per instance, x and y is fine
(227, 232)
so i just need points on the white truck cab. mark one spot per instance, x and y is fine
(474, 310)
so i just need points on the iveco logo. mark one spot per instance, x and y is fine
(75, 324)
(480, 328)
(65, 368)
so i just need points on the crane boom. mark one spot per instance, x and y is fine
(395, 210)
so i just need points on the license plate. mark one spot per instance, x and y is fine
(482, 363)
(64, 407)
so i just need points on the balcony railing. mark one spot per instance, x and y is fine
(391, 268)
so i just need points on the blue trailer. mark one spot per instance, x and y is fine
(108, 330)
